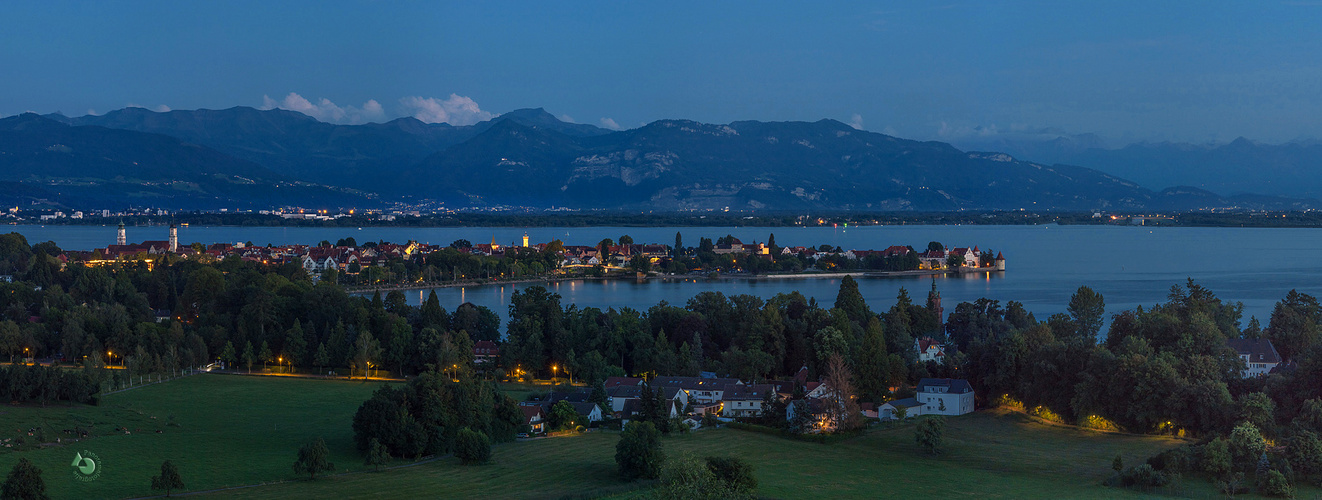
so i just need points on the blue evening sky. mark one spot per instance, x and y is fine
(1191, 71)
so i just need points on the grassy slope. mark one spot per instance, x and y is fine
(245, 430)
(231, 430)
(991, 456)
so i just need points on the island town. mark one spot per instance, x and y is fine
(420, 265)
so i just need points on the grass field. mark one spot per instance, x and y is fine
(237, 431)
(221, 430)
(991, 456)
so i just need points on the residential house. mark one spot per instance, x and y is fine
(1259, 356)
(930, 350)
(746, 400)
(890, 410)
(588, 410)
(945, 396)
(698, 389)
(485, 352)
(533, 416)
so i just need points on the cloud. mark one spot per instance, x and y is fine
(610, 124)
(948, 131)
(161, 108)
(455, 110)
(856, 121)
(566, 119)
(327, 111)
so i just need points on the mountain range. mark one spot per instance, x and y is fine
(249, 157)
(1291, 169)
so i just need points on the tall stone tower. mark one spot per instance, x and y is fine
(121, 238)
(1000, 262)
(934, 305)
(174, 238)
(525, 240)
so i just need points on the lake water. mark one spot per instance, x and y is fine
(1129, 265)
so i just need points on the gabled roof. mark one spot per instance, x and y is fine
(585, 408)
(529, 412)
(695, 383)
(755, 392)
(1258, 350)
(952, 385)
(619, 381)
(903, 403)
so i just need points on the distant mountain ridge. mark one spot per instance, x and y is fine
(299, 146)
(86, 166)
(1239, 166)
(528, 157)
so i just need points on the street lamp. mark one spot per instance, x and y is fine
(553, 370)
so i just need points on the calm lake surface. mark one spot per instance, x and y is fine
(1130, 266)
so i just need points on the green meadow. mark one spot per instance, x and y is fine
(226, 431)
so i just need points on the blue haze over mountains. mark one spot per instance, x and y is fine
(254, 158)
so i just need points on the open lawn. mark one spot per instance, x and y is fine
(220, 430)
(226, 430)
(992, 455)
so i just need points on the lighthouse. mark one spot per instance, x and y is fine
(174, 238)
(121, 238)
(525, 240)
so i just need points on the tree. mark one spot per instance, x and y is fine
(1216, 459)
(1118, 464)
(265, 355)
(850, 300)
(168, 480)
(640, 264)
(841, 404)
(928, 433)
(472, 447)
(626, 240)
(377, 454)
(313, 458)
(248, 356)
(227, 354)
(935, 246)
(562, 416)
(322, 357)
(24, 482)
(1087, 308)
(639, 453)
(366, 350)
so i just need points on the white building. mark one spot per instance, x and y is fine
(945, 396)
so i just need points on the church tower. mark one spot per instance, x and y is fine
(525, 240)
(934, 305)
(174, 238)
(121, 238)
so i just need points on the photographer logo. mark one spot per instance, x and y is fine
(86, 466)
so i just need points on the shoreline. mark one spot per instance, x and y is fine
(670, 277)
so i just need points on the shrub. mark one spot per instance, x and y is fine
(734, 472)
(639, 452)
(472, 447)
(1143, 476)
(1173, 460)
(1273, 483)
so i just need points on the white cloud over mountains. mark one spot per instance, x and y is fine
(610, 124)
(454, 110)
(327, 111)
